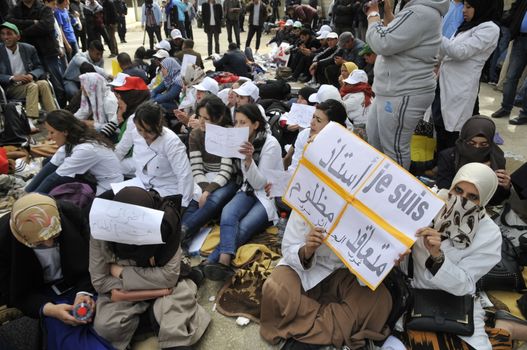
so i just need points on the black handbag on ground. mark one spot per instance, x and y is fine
(435, 310)
(507, 274)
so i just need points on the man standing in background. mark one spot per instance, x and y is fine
(122, 11)
(232, 10)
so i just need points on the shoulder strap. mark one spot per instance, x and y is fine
(411, 266)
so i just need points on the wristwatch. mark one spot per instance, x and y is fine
(373, 14)
(438, 259)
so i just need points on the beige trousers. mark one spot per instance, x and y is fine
(33, 92)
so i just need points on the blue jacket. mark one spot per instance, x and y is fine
(181, 8)
(163, 95)
(29, 56)
(157, 14)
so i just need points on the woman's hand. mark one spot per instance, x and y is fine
(314, 239)
(203, 198)
(267, 188)
(504, 179)
(181, 116)
(116, 270)
(62, 312)
(431, 239)
(193, 122)
(247, 149)
(83, 298)
(402, 256)
(89, 123)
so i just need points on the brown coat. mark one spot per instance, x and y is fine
(183, 52)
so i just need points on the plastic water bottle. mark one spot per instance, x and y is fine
(282, 223)
(82, 311)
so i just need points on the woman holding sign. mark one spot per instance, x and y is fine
(215, 175)
(463, 245)
(250, 211)
(44, 270)
(133, 280)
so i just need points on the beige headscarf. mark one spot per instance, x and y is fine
(35, 218)
(459, 219)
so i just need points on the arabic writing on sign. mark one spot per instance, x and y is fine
(300, 115)
(125, 223)
(225, 142)
(343, 157)
(316, 201)
(366, 247)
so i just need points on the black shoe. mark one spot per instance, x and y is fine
(521, 120)
(218, 272)
(500, 113)
(292, 344)
(196, 275)
(507, 316)
(518, 103)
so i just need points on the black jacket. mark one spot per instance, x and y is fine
(263, 13)
(344, 12)
(514, 17)
(21, 277)
(110, 12)
(40, 34)
(233, 61)
(218, 16)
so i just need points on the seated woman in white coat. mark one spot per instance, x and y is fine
(99, 103)
(454, 254)
(81, 151)
(463, 58)
(357, 97)
(159, 157)
(250, 211)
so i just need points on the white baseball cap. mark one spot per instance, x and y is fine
(332, 35)
(325, 28)
(209, 85)
(357, 76)
(322, 35)
(248, 89)
(297, 24)
(161, 54)
(325, 92)
(163, 44)
(175, 34)
(119, 79)
(289, 22)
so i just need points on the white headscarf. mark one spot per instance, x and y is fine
(458, 221)
(93, 101)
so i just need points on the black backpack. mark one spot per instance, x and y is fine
(14, 125)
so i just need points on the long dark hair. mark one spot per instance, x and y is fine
(77, 132)
(252, 112)
(150, 114)
(335, 111)
(133, 98)
(217, 110)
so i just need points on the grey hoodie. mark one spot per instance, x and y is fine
(407, 49)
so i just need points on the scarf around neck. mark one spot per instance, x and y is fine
(356, 88)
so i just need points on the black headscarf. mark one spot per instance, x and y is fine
(478, 125)
(142, 254)
(484, 11)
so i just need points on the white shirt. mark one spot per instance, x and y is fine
(256, 14)
(212, 19)
(15, 60)
(270, 158)
(162, 166)
(300, 143)
(96, 159)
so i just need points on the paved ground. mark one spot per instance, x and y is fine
(223, 332)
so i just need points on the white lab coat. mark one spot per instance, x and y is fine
(98, 160)
(300, 144)
(323, 263)
(355, 109)
(464, 56)
(461, 270)
(163, 166)
(270, 158)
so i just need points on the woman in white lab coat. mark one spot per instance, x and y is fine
(251, 210)
(159, 157)
(463, 58)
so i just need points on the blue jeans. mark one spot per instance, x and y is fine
(243, 217)
(195, 217)
(518, 61)
(499, 54)
(47, 179)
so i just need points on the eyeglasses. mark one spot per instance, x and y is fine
(470, 196)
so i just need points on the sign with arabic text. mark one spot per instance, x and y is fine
(369, 205)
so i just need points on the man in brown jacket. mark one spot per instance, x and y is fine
(188, 49)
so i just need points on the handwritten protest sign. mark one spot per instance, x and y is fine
(300, 115)
(125, 223)
(316, 201)
(375, 206)
(365, 247)
(188, 60)
(225, 142)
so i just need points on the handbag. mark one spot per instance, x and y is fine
(507, 274)
(435, 310)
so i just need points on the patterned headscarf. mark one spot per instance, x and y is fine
(458, 221)
(96, 90)
(174, 72)
(35, 218)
